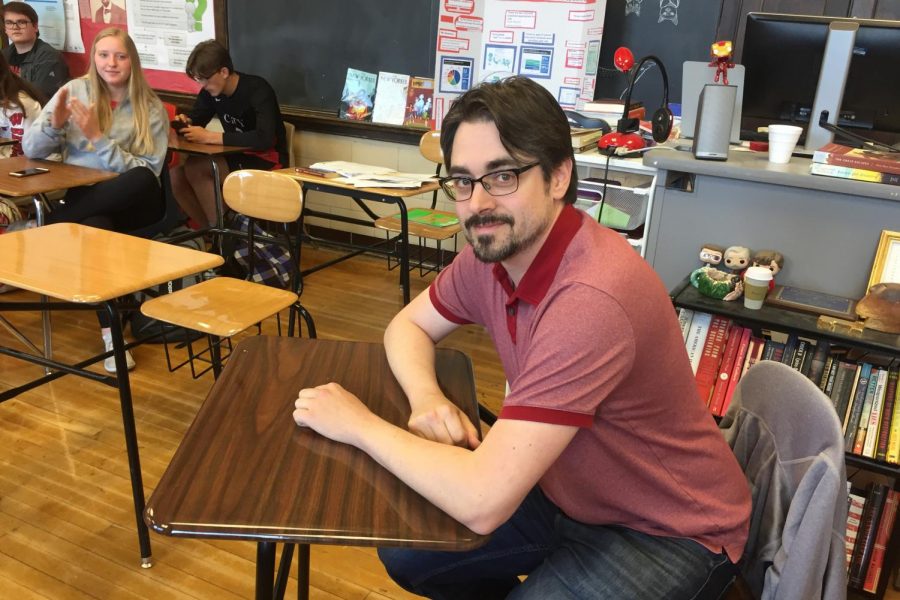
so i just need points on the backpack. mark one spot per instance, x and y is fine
(271, 261)
(142, 325)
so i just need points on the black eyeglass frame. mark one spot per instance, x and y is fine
(517, 171)
(17, 24)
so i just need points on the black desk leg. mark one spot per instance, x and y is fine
(404, 251)
(265, 570)
(131, 444)
(302, 571)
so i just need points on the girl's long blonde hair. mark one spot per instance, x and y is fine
(142, 96)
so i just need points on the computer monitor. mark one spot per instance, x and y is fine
(782, 56)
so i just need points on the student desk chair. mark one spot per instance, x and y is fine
(223, 306)
(430, 148)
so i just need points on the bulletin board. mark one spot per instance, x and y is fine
(164, 31)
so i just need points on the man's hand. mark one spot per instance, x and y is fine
(440, 420)
(200, 135)
(61, 113)
(333, 412)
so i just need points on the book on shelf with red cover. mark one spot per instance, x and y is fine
(737, 369)
(887, 414)
(857, 502)
(725, 368)
(754, 353)
(871, 441)
(858, 158)
(697, 338)
(865, 541)
(841, 172)
(708, 367)
(862, 423)
(882, 537)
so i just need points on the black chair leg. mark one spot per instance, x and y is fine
(299, 309)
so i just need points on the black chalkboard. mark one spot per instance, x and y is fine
(653, 31)
(304, 47)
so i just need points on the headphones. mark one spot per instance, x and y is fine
(627, 133)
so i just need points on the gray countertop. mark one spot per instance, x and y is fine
(755, 166)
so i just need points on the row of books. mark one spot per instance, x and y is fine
(864, 392)
(870, 522)
(389, 98)
(859, 164)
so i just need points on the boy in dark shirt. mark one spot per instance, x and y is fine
(247, 107)
(29, 57)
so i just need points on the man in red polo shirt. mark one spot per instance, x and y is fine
(604, 475)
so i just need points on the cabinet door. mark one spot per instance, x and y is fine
(733, 18)
(876, 9)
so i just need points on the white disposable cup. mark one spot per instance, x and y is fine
(756, 286)
(782, 141)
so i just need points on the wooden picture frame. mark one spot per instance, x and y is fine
(886, 268)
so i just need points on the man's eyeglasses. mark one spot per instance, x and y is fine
(19, 24)
(496, 183)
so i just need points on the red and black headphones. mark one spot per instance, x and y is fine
(627, 133)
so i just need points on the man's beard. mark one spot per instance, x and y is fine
(485, 247)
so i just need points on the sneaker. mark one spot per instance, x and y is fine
(20, 225)
(110, 363)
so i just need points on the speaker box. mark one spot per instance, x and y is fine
(715, 110)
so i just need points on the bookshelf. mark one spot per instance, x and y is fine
(787, 321)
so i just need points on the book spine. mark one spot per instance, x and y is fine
(862, 404)
(862, 553)
(819, 363)
(851, 398)
(708, 367)
(854, 518)
(893, 452)
(828, 374)
(754, 353)
(799, 355)
(882, 537)
(790, 348)
(725, 368)
(738, 368)
(866, 163)
(872, 432)
(887, 414)
(685, 316)
(697, 338)
(854, 174)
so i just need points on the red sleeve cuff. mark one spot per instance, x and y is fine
(547, 415)
(443, 310)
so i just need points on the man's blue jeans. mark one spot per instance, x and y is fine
(562, 559)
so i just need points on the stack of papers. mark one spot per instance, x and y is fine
(360, 175)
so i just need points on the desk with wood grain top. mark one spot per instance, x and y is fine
(246, 471)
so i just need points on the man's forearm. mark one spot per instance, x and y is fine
(410, 352)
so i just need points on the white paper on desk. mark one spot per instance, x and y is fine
(350, 169)
(369, 182)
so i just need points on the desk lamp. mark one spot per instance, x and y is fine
(627, 135)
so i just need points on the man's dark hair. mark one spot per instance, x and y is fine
(206, 58)
(20, 8)
(531, 124)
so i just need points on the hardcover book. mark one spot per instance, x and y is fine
(358, 97)
(697, 337)
(854, 412)
(427, 217)
(887, 414)
(882, 537)
(817, 362)
(858, 158)
(862, 551)
(854, 518)
(708, 367)
(871, 443)
(854, 174)
(390, 98)
(862, 426)
(419, 99)
(893, 451)
(737, 369)
(725, 367)
(685, 316)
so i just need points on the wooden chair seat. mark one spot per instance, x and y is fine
(222, 307)
(431, 232)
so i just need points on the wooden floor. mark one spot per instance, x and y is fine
(66, 518)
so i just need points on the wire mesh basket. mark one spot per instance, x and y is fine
(624, 208)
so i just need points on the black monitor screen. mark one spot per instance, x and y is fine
(782, 55)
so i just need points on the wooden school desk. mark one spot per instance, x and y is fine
(60, 176)
(90, 268)
(179, 144)
(360, 196)
(246, 471)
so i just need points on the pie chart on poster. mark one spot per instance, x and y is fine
(453, 77)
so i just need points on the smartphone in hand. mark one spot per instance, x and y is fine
(29, 172)
(177, 124)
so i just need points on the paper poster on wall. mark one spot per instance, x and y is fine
(536, 62)
(533, 37)
(455, 75)
(165, 31)
(499, 58)
(52, 18)
(520, 19)
(592, 60)
(73, 41)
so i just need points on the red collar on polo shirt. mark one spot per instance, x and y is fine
(542, 270)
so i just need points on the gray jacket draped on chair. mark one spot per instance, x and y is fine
(786, 435)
